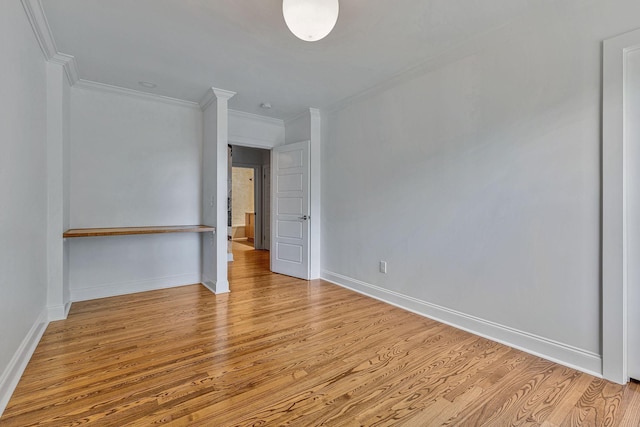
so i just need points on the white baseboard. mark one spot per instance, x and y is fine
(213, 287)
(222, 287)
(17, 364)
(554, 351)
(58, 312)
(209, 285)
(122, 288)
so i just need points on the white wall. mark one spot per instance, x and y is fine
(251, 130)
(298, 129)
(478, 180)
(134, 162)
(22, 192)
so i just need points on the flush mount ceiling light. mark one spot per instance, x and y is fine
(310, 20)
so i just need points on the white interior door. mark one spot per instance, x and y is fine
(290, 210)
(632, 158)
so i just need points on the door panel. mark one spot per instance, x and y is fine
(290, 230)
(290, 210)
(290, 206)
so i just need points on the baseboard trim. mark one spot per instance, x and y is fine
(123, 288)
(212, 286)
(58, 312)
(17, 364)
(209, 285)
(554, 351)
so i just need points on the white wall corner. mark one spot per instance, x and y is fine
(315, 136)
(554, 351)
(17, 364)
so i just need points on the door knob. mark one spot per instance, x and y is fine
(304, 217)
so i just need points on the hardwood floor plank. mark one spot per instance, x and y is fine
(281, 351)
(631, 403)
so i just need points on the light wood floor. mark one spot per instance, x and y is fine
(279, 351)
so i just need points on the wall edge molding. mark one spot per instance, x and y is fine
(554, 351)
(245, 141)
(107, 290)
(18, 363)
(106, 88)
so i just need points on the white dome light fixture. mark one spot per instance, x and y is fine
(310, 20)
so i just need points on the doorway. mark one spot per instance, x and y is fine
(243, 203)
(250, 200)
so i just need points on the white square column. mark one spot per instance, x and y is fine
(214, 188)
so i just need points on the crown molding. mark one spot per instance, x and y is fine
(223, 94)
(70, 66)
(256, 117)
(106, 88)
(207, 99)
(298, 116)
(40, 27)
(309, 112)
(212, 94)
(42, 31)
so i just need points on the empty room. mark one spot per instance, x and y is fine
(320, 213)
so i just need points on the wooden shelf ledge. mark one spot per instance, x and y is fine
(124, 231)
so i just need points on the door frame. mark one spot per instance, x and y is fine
(614, 201)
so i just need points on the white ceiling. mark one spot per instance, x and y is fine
(187, 46)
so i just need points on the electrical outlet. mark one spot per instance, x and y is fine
(383, 267)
